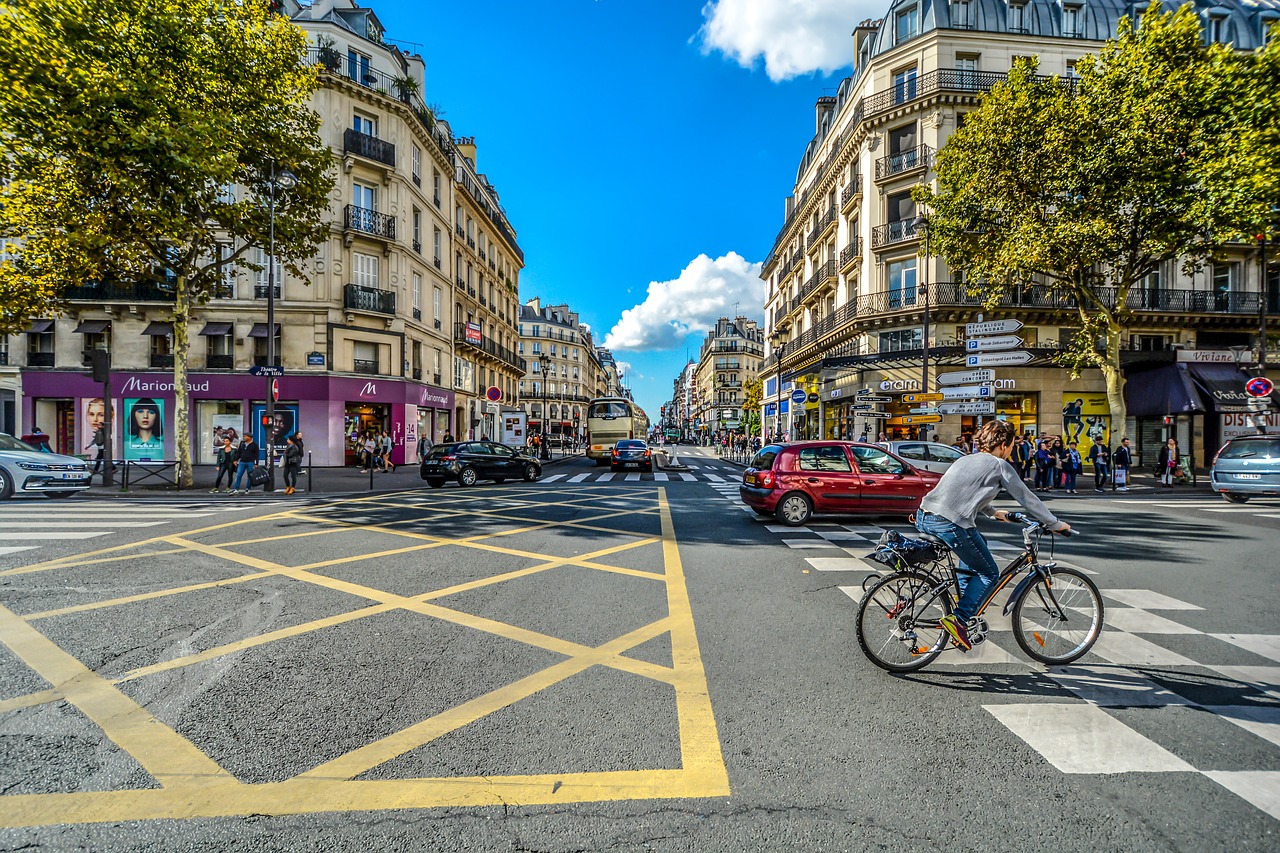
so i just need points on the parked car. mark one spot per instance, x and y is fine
(631, 453)
(1247, 467)
(796, 481)
(928, 455)
(469, 461)
(25, 470)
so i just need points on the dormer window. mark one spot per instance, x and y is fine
(907, 24)
(1017, 18)
(962, 15)
(1072, 20)
(1216, 25)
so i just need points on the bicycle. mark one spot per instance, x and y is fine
(1056, 612)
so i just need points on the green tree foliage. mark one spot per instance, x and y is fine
(122, 126)
(752, 393)
(1084, 190)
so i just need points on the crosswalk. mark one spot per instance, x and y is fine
(715, 475)
(26, 526)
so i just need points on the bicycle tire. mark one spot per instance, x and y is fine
(889, 631)
(1036, 626)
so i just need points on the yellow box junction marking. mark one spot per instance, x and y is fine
(193, 785)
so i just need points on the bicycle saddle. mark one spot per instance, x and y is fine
(934, 540)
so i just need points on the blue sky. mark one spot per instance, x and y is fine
(635, 143)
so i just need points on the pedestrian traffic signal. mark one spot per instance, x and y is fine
(1168, 420)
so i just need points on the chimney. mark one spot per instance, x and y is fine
(535, 305)
(825, 105)
(467, 147)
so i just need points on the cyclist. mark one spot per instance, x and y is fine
(949, 512)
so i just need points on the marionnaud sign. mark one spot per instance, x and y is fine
(799, 395)
(974, 407)
(992, 327)
(997, 342)
(983, 359)
(967, 377)
(954, 391)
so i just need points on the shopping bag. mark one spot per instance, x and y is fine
(257, 475)
(1122, 476)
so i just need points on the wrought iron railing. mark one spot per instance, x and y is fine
(260, 291)
(39, 359)
(851, 190)
(360, 365)
(368, 221)
(141, 291)
(359, 297)
(219, 362)
(851, 252)
(893, 232)
(368, 146)
(904, 161)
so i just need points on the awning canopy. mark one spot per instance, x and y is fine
(259, 330)
(217, 330)
(92, 327)
(1166, 390)
(39, 327)
(158, 328)
(1221, 386)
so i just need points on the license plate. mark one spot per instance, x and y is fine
(73, 476)
(750, 479)
(1248, 476)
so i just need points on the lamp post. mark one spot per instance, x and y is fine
(285, 181)
(544, 362)
(1260, 418)
(779, 341)
(921, 223)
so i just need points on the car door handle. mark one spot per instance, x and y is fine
(813, 479)
(868, 482)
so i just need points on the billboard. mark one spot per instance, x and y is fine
(1085, 417)
(143, 429)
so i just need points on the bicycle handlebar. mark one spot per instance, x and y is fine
(1030, 522)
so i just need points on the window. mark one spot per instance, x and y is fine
(537, 348)
(365, 268)
(417, 164)
(1071, 70)
(1070, 21)
(1224, 278)
(358, 68)
(901, 340)
(417, 295)
(435, 245)
(417, 230)
(902, 138)
(1216, 26)
(824, 459)
(535, 366)
(908, 24)
(900, 207)
(904, 85)
(457, 216)
(364, 196)
(1017, 18)
(227, 278)
(873, 460)
(260, 259)
(961, 15)
(967, 71)
(902, 283)
(435, 304)
(365, 124)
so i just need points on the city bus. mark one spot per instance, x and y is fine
(609, 420)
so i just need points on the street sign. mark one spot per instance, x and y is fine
(967, 377)
(862, 408)
(1017, 356)
(862, 392)
(494, 393)
(877, 399)
(992, 327)
(973, 407)
(266, 370)
(874, 414)
(926, 410)
(998, 342)
(922, 398)
(1259, 386)
(275, 390)
(968, 391)
(905, 420)
(799, 395)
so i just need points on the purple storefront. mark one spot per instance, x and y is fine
(328, 410)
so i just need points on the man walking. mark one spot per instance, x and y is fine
(1123, 462)
(424, 446)
(1100, 456)
(246, 458)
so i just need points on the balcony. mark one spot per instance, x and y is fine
(483, 256)
(851, 254)
(4, 357)
(417, 313)
(417, 246)
(892, 233)
(358, 297)
(920, 157)
(260, 291)
(851, 193)
(371, 222)
(417, 374)
(360, 365)
(219, 362)
(826, 224)
(435, 379)
(417, 179)
(459, 230)
(39, 359)
(461, 284)
(490, 348)
(471, 242)
(436, 324)
(436, 260)
(142, 291)
(162, 359)
(368, 147)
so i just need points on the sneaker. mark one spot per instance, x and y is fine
(1123, 489)
(213, 491)
(1097, 490)
(959, 633)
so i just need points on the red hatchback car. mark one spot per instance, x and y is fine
(796, 481)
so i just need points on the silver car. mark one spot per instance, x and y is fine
(27, 471)
(1246, 467)
(926, 455)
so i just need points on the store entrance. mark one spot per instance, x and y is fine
(358, 420)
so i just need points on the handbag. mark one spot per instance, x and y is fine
(257, 475)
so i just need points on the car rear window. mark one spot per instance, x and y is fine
(631, 445)
(441, 450)
(1253, 448)
(763, 460)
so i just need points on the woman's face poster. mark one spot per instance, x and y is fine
(144, 429)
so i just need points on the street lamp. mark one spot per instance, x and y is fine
(284, 180)
(544, 362)
(779, 341)
(921, 224)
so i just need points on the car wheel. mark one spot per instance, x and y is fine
(467, 477)
(435, 483)
(1235, 499)
(794, 509)
(530, 472)
(6, 486)
(59, 494)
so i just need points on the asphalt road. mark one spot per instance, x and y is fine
(633, 663)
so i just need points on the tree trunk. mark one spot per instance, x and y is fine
(181, 401)
(1115, 382)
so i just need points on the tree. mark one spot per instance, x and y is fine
(752, 393)
(138, 138)
(1087, 188)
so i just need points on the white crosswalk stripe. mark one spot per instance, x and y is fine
(552, 478)
(660, 477)
(30, 527)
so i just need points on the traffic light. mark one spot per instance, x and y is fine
(1168, 420)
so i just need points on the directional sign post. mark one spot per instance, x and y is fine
(960, 391)
(992, 327)
(926, 410)
(862, 408)
(983, 359)
(922, 398)
(967, 377)
(906, 420)
(973, 407)
(874, 414)
(997, 342)
(870, 399)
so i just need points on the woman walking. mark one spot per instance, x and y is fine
(1167, 463)
(292, 463)
(226, 465)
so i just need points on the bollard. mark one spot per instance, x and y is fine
(309, 484)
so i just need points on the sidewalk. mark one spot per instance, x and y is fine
(322, 481)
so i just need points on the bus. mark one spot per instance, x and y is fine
(609, 420)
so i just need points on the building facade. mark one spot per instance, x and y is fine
(562, 372)
(848, 278)
(729, 358)
(408, 319)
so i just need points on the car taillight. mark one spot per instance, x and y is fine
(615, 451)
(766, 479)
(448, 459)
(646, 453)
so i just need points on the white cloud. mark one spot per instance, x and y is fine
(793, 37)
(705, 291)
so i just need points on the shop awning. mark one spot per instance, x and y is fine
(1166, 390)
(39, 327)
(217, 330)
(92, 327)
(259, 330)
(1221, 386)
(158, 329)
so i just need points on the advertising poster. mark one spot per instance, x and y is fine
(226, 426)
(143, 432)
(284, 424)
(1085, 417)
(1236, 424)
(93, 414)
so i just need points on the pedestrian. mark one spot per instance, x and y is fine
(297, 439)
(99, 443)
(370, 453)
(1123, 462)
(387, 446)
(448, 437)
(246, 458)
(424, 446)
(1071, 468)
(226, 465)
(1030, 460)
(292, 462)
(959, 444)
(1167, 462)
(1058, 451)
(1100, 457)
(1021, 456)
(1044, 466)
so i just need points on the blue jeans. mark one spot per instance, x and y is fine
(242, 470)
(1069, 479)
(977, 570)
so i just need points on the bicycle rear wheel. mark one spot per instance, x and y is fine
(898, 618)
(1058, 620)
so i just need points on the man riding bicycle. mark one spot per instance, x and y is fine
(950, 510)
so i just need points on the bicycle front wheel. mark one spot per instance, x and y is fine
(898, 621)
(1058, 619)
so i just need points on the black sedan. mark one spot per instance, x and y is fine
(469, 461)
(630, 453)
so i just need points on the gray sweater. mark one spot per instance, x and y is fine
(972, 483)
